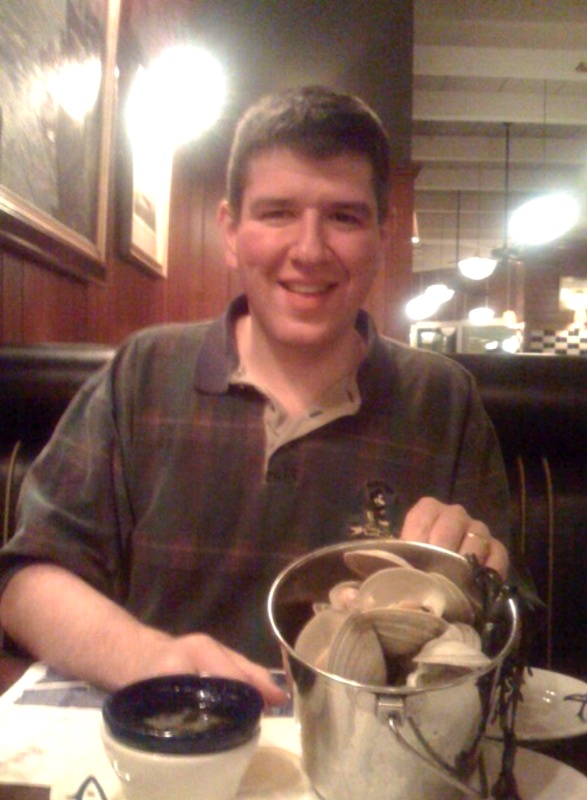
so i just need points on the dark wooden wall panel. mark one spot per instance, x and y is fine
(55, 306)
(11, 297)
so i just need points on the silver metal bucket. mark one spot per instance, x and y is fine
(385, 743)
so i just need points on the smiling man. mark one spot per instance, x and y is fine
(207, 456)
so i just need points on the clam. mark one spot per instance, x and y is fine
(356, 653)
(414, 589)
(365, 562)
(343, 595)
(459, 607)
(315, 638)
(456, 647)
(456, 650)
(397, 619)
(403, 631)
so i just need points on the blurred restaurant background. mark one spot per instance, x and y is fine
(116, 119)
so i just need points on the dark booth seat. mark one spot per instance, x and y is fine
(538, 405)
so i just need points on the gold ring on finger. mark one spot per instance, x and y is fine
(481, 538)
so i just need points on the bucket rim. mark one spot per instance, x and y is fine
(398, 691)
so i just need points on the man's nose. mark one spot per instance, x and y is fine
(310, 244)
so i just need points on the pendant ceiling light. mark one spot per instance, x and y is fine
(476, 267)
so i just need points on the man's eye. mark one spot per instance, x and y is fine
(347, 218)
(275, 214)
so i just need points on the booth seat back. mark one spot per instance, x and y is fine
(37, 382)
(538, 405)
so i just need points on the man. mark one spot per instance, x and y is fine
(188, 473)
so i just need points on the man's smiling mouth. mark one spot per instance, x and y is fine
(307, 288)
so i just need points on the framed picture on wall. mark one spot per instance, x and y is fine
(57, 89)
(145, 156)
(144, 194)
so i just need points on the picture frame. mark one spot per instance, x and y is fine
(58, 90)
(144, 174)
(143, 207)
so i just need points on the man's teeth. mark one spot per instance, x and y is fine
(304, 288)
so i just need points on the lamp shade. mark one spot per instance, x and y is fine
(477, 268)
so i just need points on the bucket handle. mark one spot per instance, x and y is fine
(392, 710)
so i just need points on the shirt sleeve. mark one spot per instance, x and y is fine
(73, 507)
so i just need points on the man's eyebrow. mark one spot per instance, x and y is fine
(354, 206)
(359, 207)
(270, 200)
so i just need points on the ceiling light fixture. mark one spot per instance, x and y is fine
(548, 217)
(428, 303)
(476, 267)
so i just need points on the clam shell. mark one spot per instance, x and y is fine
(458, 646)
(459, 607)
(451, 654)
(315, 638)
(356, 653)
(365, 562)
(462, 632)
(412, 588)
(431, 675)
(403, 631)
(344, 595)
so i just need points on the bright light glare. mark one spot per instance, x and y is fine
(177, 98)
(510, 318)
(481, 315)
(427, 304)
(574, 299)
(439, 292)
(544, 219)
(477, 268)
(511, 345)
(74, 86)
(421, 307)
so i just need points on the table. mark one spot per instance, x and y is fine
(572, 752)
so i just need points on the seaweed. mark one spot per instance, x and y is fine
(495, 595)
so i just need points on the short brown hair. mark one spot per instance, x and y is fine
(317, 122)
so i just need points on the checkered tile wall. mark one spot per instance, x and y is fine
(571, 342)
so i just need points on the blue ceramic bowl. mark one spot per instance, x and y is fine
(184, 714)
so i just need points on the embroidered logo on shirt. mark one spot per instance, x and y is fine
(378, 517)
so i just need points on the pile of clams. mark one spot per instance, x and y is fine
(394, 625)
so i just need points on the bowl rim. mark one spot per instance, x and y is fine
(242, 706)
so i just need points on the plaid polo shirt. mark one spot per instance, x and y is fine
(155, 487)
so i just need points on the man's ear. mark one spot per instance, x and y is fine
(228, 225)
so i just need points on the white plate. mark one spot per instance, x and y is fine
(276, 772)
(540, 777)
(544, 713)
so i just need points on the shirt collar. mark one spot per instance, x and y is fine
(218, 357)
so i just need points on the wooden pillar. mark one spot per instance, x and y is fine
(393, 287)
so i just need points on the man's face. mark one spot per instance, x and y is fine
(307, 245)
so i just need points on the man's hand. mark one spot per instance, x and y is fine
(199, 653)
(61, 620)
(450, 526)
